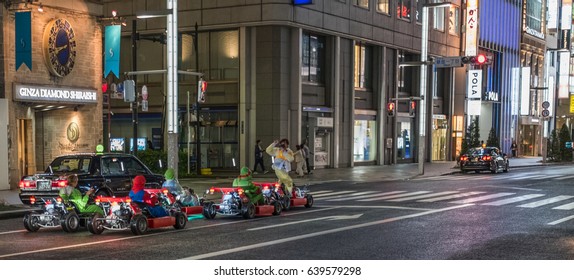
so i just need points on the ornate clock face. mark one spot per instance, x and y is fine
(59, 47)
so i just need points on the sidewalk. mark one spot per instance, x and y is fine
(358, 173)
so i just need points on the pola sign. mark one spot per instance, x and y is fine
(474, 84)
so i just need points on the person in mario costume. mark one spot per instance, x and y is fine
(139, 195)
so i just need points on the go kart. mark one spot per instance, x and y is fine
(121, 213)
(299, 196)
(234, 202)
(54, 213)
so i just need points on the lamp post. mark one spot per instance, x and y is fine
(423, 83)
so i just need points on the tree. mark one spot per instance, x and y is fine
(492, 139)
(564, 136)
(553, 147)
(474, 133)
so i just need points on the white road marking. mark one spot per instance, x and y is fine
(14, 231)
(450, 197)
(568, 206)
(481, 198)
(546, 201)
(376, 195)
(565, 177)
(331, 218)
(394, 196)
(352, 196)
(422, 196)
(526, 177)
(561, 220)
(513, 200)
(319, 233)
(330, 194)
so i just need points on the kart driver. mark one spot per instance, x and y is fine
(138, 194)
(245, 181)
(282, 164)
(187, 197)
(70, 193)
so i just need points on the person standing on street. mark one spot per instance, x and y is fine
(259, 158)
(514, 149)
(306, 153)
(282, 164)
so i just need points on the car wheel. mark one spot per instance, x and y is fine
(70, 222)
(209, 210)
(180, 220)
(310, 201)
(277, 208)
(249, 211)
(95, 224)
(31, 222)
(138, 224)
(494, 169)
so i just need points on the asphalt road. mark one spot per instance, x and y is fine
(520, 215)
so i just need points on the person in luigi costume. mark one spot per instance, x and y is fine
(245, 181)
(72, 194)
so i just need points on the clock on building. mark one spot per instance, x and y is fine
(59, 47)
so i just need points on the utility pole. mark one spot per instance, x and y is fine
(134, 142)
(197, 123)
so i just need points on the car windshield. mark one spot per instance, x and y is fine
(479, 151)
(69, 165)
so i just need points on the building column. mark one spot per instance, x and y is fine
(295, 111)
(336, 101)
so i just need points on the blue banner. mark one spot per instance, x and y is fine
(23, 39)
(112, 50)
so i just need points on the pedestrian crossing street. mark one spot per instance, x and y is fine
(529, 200)
(506, 176)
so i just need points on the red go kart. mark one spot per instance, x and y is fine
(122, 213)
(299, 196)
(234, 202)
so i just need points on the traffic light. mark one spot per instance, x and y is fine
(201, 90)
(391, 108)
(412, 108)
(480, 59)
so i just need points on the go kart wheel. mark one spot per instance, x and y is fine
(248, 211)
(310, 201)
(277, 208)
(31, 222)
(209, 211)
(138, 224)
(180, 220)
(286, 203)
(70, 222)
(95, 224)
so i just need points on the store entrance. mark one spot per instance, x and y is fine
(405, 140)
(25, 149)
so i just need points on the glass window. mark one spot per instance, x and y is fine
(438, 17)
(362, 3)
(404, 9)
(218, 55)
(383, 6)
(313, 55)
(133, 167)
(454, 20)
(534, 14)
(365, 144)
(419, 12)
(404, 138)
(363, 66)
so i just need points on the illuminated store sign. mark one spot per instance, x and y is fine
(42, 94)
(471, 27)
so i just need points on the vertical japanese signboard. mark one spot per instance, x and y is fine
(471, 28)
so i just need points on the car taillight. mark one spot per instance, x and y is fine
(97, 201)
(59, 183)
(211, 190)
(265, 188)
(463, 158)
(59, 200)
(165, 191)
(277, 185)
(32, 200)
(240, 191)
(486, 158)
(26, 184)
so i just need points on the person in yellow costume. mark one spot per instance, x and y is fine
(282, 163)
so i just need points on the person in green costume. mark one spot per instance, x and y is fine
(70, 193)
(245, 181)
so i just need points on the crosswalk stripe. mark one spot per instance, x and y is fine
(394, 196)
(449, 197)
(513, 200)
(565, 177)
(331, 194)
(546, 201)
(319, 192)
(568, 206)
(525, 177)
(481, 198)
(381, 194)
(423, 196)
(360, 195)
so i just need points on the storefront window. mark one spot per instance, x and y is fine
(383, 6)
(218, 55)
(365, 141)
(362, 3)
(438, 18)
(404, 140)
(404, 9)
(363, 66)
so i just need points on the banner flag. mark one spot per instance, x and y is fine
(23, 39)
(112, 50)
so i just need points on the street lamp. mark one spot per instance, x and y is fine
(423, 83)
(172, 80)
